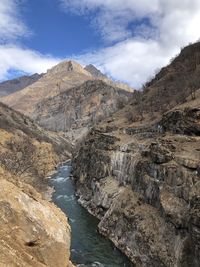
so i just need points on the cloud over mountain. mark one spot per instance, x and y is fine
(13, 55)
(142, 35)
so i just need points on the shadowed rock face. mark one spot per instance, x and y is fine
(80, 107)
(11, 86)
(145, 189)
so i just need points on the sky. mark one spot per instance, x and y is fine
(129, 40)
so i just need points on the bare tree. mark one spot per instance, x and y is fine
(21, 158)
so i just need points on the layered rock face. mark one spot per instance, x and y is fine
(81, 107)
(144, 186)
(33, 232)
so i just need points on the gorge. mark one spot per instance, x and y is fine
(135, 164)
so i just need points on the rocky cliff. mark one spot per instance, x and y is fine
(32, 230)
(138, 171)
(144, 186)
(78, 109)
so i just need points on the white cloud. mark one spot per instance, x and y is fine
(11, 25)
(12, 55)
(18, 58)
(143, 35)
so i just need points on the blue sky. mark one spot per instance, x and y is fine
(56, 32)
(128, 40)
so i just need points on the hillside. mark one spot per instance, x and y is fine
(27, 155)
(144, 183)
(11, 86)
(174, 83)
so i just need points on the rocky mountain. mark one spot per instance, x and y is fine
(62, 77)
(29, 222)
(138, 171)
(11, 86)
(70, 98)
(79, 108)
(94, 71)
(99, 75)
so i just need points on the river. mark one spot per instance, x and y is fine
(88, 248)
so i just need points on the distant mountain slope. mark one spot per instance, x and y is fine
(94, 71)
(99, 75)
(60, 78)
(11, 86)
(63, 76)
(80, 107)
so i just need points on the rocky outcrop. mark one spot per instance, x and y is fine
(182, 121)
(145, 191)
(32, 231)
(81, 107)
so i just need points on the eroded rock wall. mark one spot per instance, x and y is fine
(146, 192)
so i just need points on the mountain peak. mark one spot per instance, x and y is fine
(67, 66)
(94, 71)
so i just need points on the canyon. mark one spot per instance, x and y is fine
(135, 160)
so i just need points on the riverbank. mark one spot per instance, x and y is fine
(88, 248)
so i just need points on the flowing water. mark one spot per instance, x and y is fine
(88, 247)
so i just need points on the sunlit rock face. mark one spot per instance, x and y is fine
(145, 191)
(32, 231)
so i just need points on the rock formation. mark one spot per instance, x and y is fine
(139, 174)
(79, 108)
(32, 230)
(144, 188)
(70, 97)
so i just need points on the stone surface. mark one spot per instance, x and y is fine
(145, 191)
(33, 232)
(80, 108)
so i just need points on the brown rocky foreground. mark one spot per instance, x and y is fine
(33, 232)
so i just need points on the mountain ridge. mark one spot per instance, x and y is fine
(61, 77)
